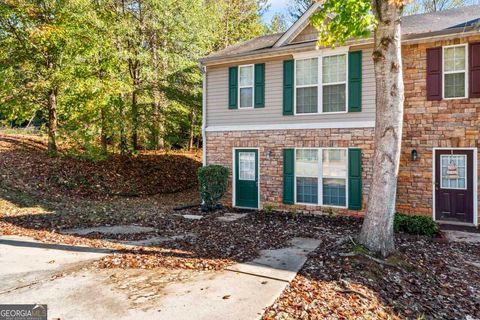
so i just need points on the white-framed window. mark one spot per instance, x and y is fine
(245, 88)
(321, 84)
(455, 84)
(321, 176)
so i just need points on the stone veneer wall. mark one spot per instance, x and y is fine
(428, 125)
(221, 144)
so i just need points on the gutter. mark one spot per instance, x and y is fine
(204, 114)
(309, 45)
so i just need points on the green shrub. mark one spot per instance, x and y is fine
(213, 182)
(268, 209)
(415, 225)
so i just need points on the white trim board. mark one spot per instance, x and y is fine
(293, 126)
(298, 26)
(475, 183)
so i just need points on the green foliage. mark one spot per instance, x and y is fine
(294, 213)
(331, 212)
(340, 20)
(268, 209)
(277, 24)
(297, 7)
(125, 73)
(420, 225)
(213, 182)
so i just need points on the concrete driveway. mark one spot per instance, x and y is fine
(56, 275)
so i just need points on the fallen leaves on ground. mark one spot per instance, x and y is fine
(433, 279)
(26, 166)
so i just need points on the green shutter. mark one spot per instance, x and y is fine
(355, 179)
(288, 74)
(260, 85)
(355, 81)
(288, 176)
(232, 87)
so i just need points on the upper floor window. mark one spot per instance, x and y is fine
(455, 71)
(246, 86)
(321, 84)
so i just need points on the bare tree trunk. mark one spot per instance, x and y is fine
(191, 129)
(123, 135)
(156, 140)
(134, 117)
(52, 121)
(377, 230)
(103, 131)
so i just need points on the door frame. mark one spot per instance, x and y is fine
(234, 176)
(475, 184)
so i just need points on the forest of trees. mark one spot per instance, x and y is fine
(117, 75)
(123, 75)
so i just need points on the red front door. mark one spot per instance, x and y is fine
(454, 185)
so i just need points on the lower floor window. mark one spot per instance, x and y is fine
(321, 176)
(334, 192)
(307, 190)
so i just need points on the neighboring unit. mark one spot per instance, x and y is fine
(295, 123)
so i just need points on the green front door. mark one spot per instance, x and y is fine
(246, 178)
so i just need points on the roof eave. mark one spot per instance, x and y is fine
(293, 48)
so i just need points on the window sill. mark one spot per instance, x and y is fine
(319, 205)
(319, 113)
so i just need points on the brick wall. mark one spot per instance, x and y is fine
(221, 144)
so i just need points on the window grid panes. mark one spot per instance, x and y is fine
(321, 176)
(246, 166)
(321, 84)
(334, 81)
(246, 86)
(306, 79)
(307, 190)
(454, 66)
(334, 192)
(454, 172)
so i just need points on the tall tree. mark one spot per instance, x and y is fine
(238, 20)
(426, 6)
(38, 39)
(297, 7)
(354, 18)
(277, 24)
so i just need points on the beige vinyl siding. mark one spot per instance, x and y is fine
(310, 33)
(218, 113)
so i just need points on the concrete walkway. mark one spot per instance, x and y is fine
(24, 261)
(241, 292)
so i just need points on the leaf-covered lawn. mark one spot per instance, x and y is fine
(428, 278)
(26, 167)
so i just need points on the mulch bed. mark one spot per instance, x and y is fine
(24, 162)
(427, 278)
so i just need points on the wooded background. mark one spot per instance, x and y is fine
(123, 75)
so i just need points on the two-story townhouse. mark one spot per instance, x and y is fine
(295, 123)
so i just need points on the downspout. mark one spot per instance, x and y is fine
(204, 114)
